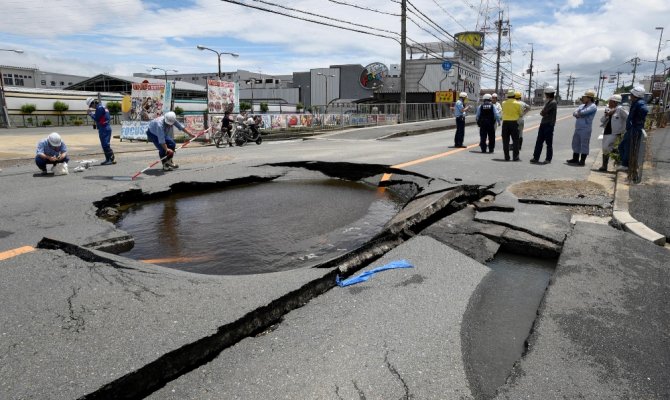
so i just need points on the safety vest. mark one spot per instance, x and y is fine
(486, 114)
(511, 110)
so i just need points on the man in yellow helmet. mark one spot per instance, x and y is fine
(512, 111)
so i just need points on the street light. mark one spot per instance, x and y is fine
(218, 54)
(165, 71)
(5, 114)
(326, 76)
(651, 87)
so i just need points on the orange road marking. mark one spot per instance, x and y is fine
(5, 255)
(386, 177)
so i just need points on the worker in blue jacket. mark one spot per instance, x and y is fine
(160, 133)
(583, 125)
(634, 124)
(100, 114)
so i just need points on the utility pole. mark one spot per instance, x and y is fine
(558, 78)
(499, 25)
(618, 74)
(403, 50)
(572, 94)
(567, 94)
(635, 62)
(530, 73)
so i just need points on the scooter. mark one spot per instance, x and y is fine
(244, 133)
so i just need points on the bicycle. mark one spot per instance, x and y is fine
(223, 137)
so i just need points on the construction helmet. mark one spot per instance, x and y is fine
(590, 93)
(616, 98)
(638, 91)
(487, 97)
(517, 95)
(463, 95)
(494, 95)
(549, 89)
(250, 121)
(170, 118)
(90, 101)
(511, 93)
(54, 139)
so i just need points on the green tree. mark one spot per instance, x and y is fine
(299, 106)
(244, 106)
(60, 108)
(114, 108)
(264, 107)
(179, 111)
(27, 109)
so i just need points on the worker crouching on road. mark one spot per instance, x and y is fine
(634, 124)
(160, 133)
(614, 122)
(51, 150)
(100, 114)
(512, 112)
(487, 117)
(583, 125)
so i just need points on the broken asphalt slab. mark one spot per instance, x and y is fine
(602, 331)
(395, 336)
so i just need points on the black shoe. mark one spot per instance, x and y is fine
(547, 161)
(517, 159)
(534, 161)
(491, 151)
(571, 161)
(462, 147)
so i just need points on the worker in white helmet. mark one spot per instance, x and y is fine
(614, 122)
(160, 134)
(581, 138)
(487, 117)
(545, 133)
(100, 114)
(460, 111)
(634, 125)
(51, 150)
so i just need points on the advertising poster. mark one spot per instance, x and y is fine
(292, 120)
(134, 130)
(266, 122)
(195, 124)
(278, 121)
(306, 120)
(332, 119)
(222, 96)
(147, 101)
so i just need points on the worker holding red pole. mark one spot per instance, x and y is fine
(160, 133)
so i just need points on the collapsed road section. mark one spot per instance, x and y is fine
(128, 327)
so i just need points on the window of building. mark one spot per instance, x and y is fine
(18, 80)
(53, 83)
(69, 83)
(7, 79)
(62, 83)
(43, 82)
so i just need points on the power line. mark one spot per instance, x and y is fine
(363, 8)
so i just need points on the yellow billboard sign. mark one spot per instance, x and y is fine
(474, 39)
(444, 97)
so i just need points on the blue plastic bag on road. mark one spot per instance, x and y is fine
(367, 274)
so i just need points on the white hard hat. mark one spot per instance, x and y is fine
(250, 121)
(549, 89)
(511, 93)
(638, 91)
(494, 95)
(170, 118)
(487, 96)
(90, 101)
(463, 94)
(616, 98)
(54, 139)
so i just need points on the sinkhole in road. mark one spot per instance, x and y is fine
(260, 227)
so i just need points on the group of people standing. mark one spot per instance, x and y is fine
(615, 122)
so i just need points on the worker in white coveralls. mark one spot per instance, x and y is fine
(583, 125)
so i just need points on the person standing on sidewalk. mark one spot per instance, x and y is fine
(545, 133)
(487, 117)
(634, 125)
(100, 114)
(460, 111)
(511, 112)
(51, 150)
(583, 125)
(160, 133)
(614, 122)
(525, 107)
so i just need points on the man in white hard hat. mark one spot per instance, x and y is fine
(100, 114)
(581, 138)
(614, 122)
(51, 150)
(634, 125)
(460, 111)
(160, 134)
(545, 133)
(487, 117)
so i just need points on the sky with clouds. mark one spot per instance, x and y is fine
(86, 37)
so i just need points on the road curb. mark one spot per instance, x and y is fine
(622, 216)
